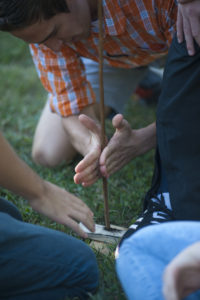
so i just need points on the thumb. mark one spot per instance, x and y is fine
(119, 122)
(90, 124)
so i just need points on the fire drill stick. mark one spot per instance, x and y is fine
(102, 111)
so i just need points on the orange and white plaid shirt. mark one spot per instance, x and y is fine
(136, 32)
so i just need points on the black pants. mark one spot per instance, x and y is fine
(178, 130)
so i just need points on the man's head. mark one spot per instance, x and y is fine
(50, 22)
(18, 14)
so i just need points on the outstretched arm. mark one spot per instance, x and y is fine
(45, 197)
(182, 275)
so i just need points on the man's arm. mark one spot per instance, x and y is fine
(71, 94)
(63, 76)
(45, 197)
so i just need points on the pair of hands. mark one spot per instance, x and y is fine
(182, 275)
(122, 147)
(125, 144)
(188, 23)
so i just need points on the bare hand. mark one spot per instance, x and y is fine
(64, 208)
(119, 150)
(125, 145)
(182, 275)
(87, 171)
(188, 24)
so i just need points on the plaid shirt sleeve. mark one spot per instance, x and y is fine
(167, 19)
(63, 76)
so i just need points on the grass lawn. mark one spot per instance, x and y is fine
(22, 99)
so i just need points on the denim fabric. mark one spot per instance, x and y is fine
(38, 263)
(144, 256)
(9, 208)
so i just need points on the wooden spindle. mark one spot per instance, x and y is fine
(102, 111)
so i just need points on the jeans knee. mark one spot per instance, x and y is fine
(10, 208)
(121, 263)
(91, 272)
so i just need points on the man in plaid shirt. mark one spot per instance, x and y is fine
(63, 38)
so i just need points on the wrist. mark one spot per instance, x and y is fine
(39, 201)
(146, 138)
(38, 192)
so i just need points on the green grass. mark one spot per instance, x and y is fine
(22, 99)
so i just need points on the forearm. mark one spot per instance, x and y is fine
(79, 135)
(145, 137)
(16, 176)
(45, 197)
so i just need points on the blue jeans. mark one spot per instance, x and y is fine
(38, 263)
(144, 256)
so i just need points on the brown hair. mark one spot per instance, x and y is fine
(16, 14)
